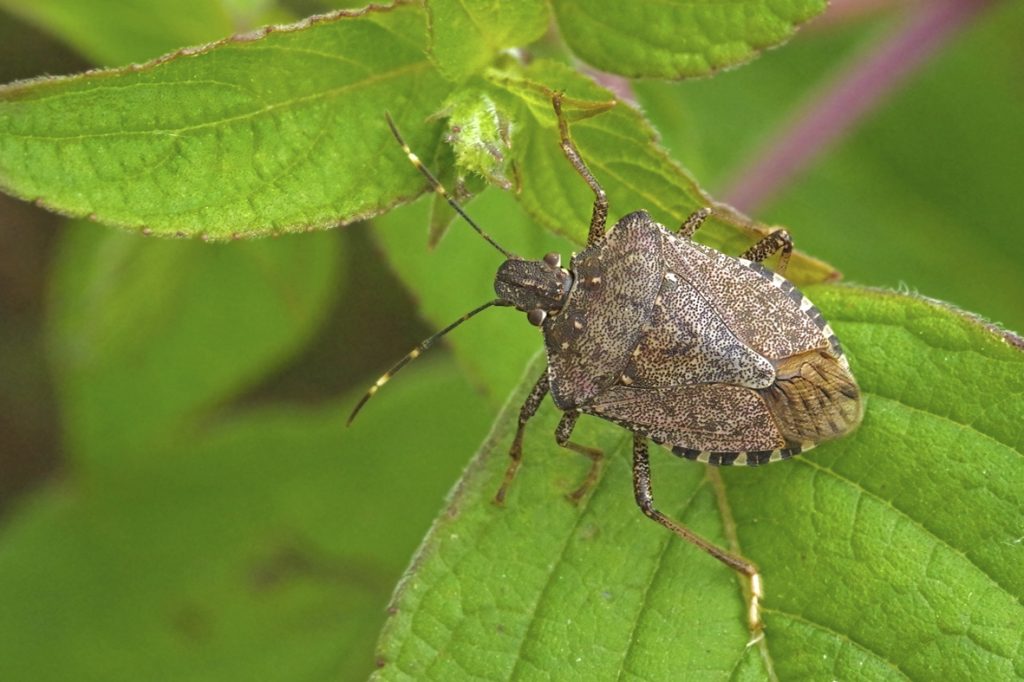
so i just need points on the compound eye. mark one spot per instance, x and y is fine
(536, 317)
(553, 259)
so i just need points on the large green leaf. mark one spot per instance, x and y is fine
(264, 547)
(677, 38)
(895, 552)
(240, 159)
(277, 131)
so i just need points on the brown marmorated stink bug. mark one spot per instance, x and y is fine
(717, 358)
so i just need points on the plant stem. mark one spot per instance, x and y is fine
(852, 94)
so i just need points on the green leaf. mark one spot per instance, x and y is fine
(279, 131)
(677, 38)
(265, 547)
(146, 335)
(466, 35)
(114, 32)
(228, 166)
(893, 553)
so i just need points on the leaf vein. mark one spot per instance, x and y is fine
(841, 637)
(968, 427)
(902, 326)
(314, 97)
(313, 53)
(660, 562)
(927, 531)
(729, 525)
(549, 581)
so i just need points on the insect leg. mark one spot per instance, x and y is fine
(515, 453)
(778, 240)
(645, 499)
(693, 222)
(600, 213)
(562, 434)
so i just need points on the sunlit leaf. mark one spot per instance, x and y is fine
(280, 131)
(621, 149)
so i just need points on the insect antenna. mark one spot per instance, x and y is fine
(436, 185)
(412, 355)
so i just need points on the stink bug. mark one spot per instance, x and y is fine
(717, 358)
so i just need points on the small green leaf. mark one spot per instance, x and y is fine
(280, 131)
(479, 135)
(466, 35)
(677, 38)
(893, 553)
(441, 212)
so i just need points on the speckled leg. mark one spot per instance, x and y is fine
(515, 453)
(600, 213)
(645, 498)
(562, 434)
(779, 240)
(693, 222)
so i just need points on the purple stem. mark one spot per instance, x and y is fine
(854, 93)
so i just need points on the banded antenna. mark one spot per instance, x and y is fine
(412, 355)
(436, 185)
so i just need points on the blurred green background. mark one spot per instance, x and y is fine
(172, 509)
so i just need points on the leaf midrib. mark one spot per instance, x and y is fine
(322, 95)
(528, 633)
(631, 641)
(840, 637)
